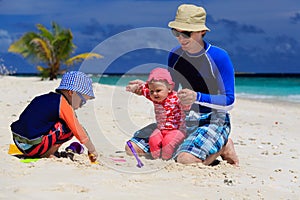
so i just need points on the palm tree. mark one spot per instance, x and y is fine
(51, 48)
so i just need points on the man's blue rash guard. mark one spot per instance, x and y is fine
(210, 73)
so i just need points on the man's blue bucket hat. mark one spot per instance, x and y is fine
(78, 82)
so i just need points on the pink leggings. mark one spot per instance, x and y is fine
(163, 142)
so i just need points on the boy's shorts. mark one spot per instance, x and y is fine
(205, 136)
(59, 134)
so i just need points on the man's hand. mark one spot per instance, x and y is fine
(187, 96)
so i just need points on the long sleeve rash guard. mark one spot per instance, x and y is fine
(42, 113)
(210, 73)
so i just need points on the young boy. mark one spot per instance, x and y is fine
(50, 120)
(169, 113)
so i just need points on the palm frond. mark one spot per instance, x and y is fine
(63, 45)
(42, 49)
(44, 32)
(23, 46)
(18, 47)
(81, 57)
(45, 72)
(56, 29)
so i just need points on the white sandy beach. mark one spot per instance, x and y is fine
(266, 137)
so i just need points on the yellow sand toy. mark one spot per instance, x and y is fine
(14, 151)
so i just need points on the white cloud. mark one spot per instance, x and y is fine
(5, 41)
(136, 39)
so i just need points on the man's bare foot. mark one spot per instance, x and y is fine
(229, 153)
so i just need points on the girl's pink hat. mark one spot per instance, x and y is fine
(160, 74)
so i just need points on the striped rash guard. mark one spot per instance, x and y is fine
(40, 116)
(210, 73)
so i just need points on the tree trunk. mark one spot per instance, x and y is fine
(54, 71)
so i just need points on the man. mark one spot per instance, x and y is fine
(206, 74)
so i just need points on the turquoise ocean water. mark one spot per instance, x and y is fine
(262, 88)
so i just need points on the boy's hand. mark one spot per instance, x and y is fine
(93, 156)
(92, 153)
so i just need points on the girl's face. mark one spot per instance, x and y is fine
(158, 91)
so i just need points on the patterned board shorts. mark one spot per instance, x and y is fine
(206, 135)
(57, 135)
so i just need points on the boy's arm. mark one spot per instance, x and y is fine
(91, 150)
(67, 114)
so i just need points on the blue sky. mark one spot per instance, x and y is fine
(260, 35)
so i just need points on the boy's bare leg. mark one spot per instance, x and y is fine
(51, 151)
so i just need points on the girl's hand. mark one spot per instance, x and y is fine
(139, 82)
(135, 86)
(132, 88)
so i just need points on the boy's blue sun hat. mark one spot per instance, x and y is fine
(78, 82)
